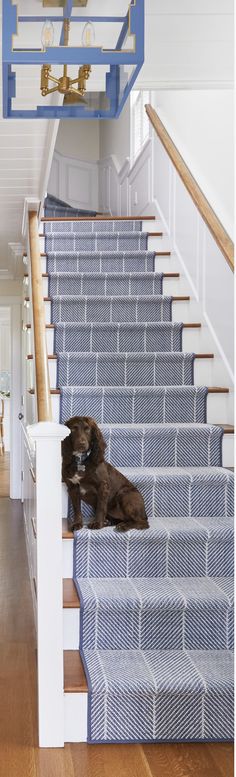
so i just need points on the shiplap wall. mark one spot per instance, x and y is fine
(189, 44)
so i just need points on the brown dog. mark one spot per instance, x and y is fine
(90, 478)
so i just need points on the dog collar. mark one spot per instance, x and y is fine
(80, 460)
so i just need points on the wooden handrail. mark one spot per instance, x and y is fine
(40, 346)
(217, 230)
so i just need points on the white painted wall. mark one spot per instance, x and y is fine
(74, 171)
(78, 139)
(152, 187)
(115, 136)
(201, 125)
(5, 358)
(200, 122)
(74, 181)
(5, 366)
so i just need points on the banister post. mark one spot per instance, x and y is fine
(42, 386)
(47, 438)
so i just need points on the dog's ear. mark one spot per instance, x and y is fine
(71, 422)
(98, 444)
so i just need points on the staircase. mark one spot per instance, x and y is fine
(148, 616)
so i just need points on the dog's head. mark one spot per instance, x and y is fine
(85, 436)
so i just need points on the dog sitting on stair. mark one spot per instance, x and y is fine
(91, 479)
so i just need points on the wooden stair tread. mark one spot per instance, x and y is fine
(70, 595)
(192, 326)
(162, 253)
(52, 391)
(48, 326)
(66, 533)
(185, 326)
(74, 675)
(156, 253)
(211, 390)
(165, 274)
(174, 298)
(42, 253)
(54, 356)
(99, 217)
(51, 356)
(218, 390)
(45, 299)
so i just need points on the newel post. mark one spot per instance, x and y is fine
(47, 437)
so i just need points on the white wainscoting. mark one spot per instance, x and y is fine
(152, 187)
(128, 190)
(209, 275)
(74, 182)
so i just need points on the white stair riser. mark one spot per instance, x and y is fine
(194, 340)
(76, 717)
(49, 338)
(67, 547)
(156, 244)
(204, 373)
(228, 450)
(162, 264)
(186, 311)
(71, 627)
(171, 286)
(220, 408)
(148, 225)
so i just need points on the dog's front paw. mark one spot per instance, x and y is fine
(121, 527)
(95, 524)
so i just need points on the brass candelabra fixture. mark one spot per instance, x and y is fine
(65, 85)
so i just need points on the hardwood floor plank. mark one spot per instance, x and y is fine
(109, 761)
(5, 475)
(185, 760)
(54, 763)
(222, 754)
(16, 721)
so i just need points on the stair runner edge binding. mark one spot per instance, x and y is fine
(156, 606)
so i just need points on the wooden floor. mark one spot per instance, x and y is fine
(19, 754)
(4, 475)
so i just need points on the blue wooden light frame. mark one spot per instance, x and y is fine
(115, 59)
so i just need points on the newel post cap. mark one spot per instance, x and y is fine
(48, 430)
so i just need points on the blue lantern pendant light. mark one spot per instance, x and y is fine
(117, 61)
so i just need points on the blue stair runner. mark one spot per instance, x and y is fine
(156, 606)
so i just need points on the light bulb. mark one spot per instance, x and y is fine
(88, 35)
(47, 36)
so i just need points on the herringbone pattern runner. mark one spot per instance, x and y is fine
(156, 606)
